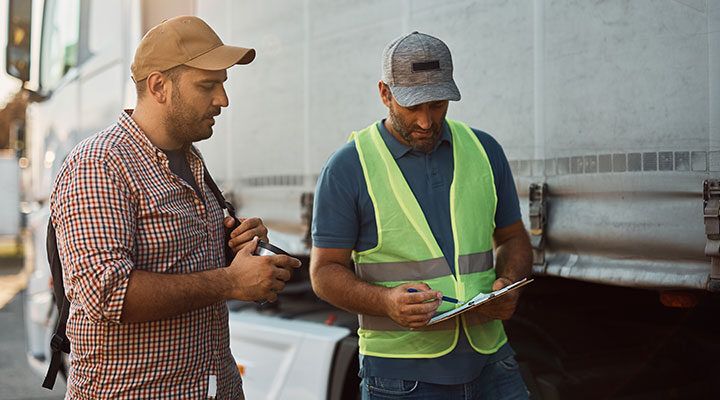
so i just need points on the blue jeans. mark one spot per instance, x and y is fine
(500, 380)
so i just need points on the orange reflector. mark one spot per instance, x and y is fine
(679, 298)
(241, 369)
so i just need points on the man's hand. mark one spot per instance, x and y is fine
(244, 233)
(257, 278)
(502, 307)
(412, 310)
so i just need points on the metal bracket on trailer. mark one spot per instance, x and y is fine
(711, 210)
(538, 221)
(306, 211)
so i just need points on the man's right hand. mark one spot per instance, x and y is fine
(258, 278)
(412, 310)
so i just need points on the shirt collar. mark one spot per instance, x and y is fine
(398, 150)
(137, 134)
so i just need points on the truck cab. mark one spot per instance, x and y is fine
(74, 59)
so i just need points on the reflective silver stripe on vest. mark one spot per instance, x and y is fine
(375, 323)
(478, 262)
(404, 271)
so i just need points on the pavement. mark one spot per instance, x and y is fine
(13, 278)
(17, 380)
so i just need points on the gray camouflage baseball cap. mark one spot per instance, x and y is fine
(418, 69)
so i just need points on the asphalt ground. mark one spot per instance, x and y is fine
(17, 380)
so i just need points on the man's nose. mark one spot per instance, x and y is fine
(423, 119)
(221, 99)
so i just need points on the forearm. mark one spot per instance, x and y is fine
(154, 296)
(514, 258)
(339, 286)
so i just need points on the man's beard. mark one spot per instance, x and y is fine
(426, 145)
(183, 122)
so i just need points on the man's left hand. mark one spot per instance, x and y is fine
(504, 306)
(244, 233)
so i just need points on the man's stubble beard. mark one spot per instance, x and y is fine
(404, 131)
(183, 123)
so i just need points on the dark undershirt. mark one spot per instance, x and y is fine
(179, 165)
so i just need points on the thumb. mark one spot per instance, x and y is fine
(251, 247)
(229, 222)
(500, 283)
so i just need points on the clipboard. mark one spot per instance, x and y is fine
(478, 300)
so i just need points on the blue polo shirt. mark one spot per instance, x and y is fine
(344, 217)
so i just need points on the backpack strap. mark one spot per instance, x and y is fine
(228, 211)
(59, 343)
(224, 204)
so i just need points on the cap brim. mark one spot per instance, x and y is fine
(222, 57)
(408, 96)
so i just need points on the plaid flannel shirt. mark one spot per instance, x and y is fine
(116, 207)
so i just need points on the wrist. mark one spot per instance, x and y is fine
(385, 300)
(224, 283)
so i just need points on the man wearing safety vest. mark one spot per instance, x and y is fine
(418, 201)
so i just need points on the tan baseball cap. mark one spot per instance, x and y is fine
(185, 40)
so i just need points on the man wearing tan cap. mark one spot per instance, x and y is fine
(420, 204)
(141, 237)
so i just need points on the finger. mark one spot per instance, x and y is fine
(421, 309)
(500, 283)
(282, 274)
(250, 248)
(249, 224)
(421, 297)
(421, 323)
(246, 236)
(284, 261)
(419, 286)
(410, 323)
(271, 297)
(238, 247)
(506, 300)
(277, 286)
(422, 318)
(229, 222)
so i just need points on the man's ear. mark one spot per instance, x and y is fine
(158, 86)
(385, 94)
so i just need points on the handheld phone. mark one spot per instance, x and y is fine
(267, 249)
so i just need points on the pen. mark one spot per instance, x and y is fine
(445, 298)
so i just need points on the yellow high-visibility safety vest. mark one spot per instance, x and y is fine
(406, 250)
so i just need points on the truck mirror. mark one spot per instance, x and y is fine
(17, 52)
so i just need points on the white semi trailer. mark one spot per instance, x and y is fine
(608, 111)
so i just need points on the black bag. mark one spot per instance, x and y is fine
(59, 343)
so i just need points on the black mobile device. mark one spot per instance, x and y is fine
(267, 249)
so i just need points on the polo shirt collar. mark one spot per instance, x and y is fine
(398, 149)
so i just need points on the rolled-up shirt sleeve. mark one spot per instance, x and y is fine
(94, 214)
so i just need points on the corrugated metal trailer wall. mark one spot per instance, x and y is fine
(615, 105)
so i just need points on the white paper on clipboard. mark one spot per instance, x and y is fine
(479, 299)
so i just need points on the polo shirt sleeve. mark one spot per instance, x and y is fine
(508, 204)
(94, 216)
(335, 222)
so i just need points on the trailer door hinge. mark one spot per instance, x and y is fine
(538, 221)
(306, 212)
(711, 211)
